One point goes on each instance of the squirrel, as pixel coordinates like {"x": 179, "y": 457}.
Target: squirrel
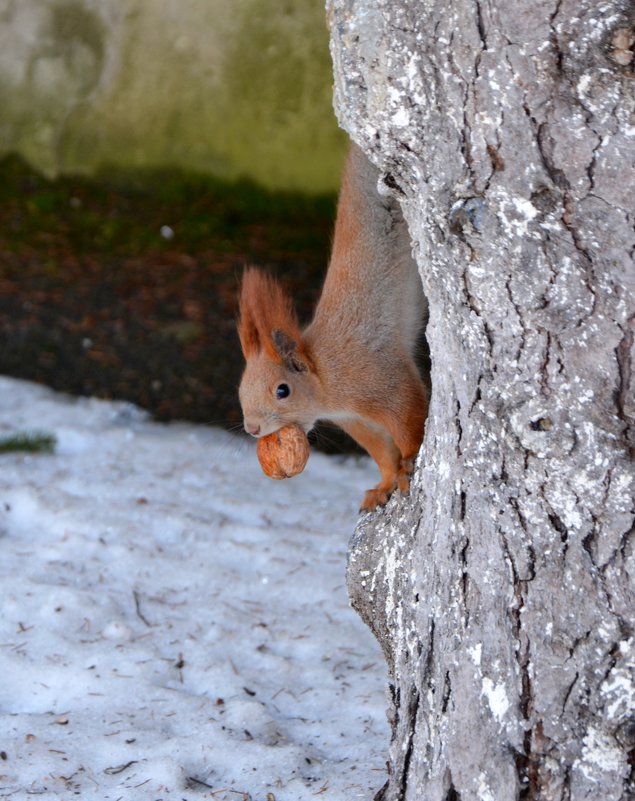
{"x": 354, "y": 365}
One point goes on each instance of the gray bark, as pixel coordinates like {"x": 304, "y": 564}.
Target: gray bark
{"x": 501, "y": 589}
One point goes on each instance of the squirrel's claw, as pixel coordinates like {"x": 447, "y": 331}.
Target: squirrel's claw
{"x": 379, "y": 495}
{"x": 374, "y": 498}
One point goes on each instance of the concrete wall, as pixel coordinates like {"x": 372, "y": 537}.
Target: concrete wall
{"x": 229, "y": 87}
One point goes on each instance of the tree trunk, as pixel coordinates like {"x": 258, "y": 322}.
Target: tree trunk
{"x": 501, "y": 589}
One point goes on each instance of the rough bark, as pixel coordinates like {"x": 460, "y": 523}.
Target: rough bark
{"x": 501, "y": 589}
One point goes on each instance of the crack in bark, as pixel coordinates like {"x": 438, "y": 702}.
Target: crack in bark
{"x": 488, "y": 336}
{"x": 556, "y": 522}
{"x": 577, "y": 642}
{"x": 603, "y": 580}
{"x": 470, "y": 90}
{"x": 620, "y": 551}
{"x": 629, "y": 781}
{"x": 531, "y": 553}
{"x": 625, "y": 626}
{"x": 611, "y": 654}
{"x": 544, "y": 370}
{"x": 589, "y": 542}
{"x": 625, "y": 378}
{"x": 590, "y": 169}
{"x": 518, "y": 317}
{"x": 556, "y": 175}
{"x": 452, "y": 794}
{"x": 569, "y": 691}
{"x": 466, "y": 145}
{"x": 546, "y": 252}
{"x": 526, "y": 763}
{"x": 447, "y": 692}
{"x": 566, "y": 784}
{"x": 465, "y": 583}
{"x": 412, "y": 713}
{"x": 464, "y": 141}
{"x": 429, "y": 665}
{"x": 470, "y": 302}
{"x": 554, "y": 15}
{"x": 587, "y": 259}
{"x": 459, "y": 430}
{"x": 560, "y": 527}
{"x": 559, "y": 179}
{"x": 478, "y": 396}
{"x": 480, "y": 27}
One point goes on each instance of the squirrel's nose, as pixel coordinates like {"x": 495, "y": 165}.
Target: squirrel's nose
{"x": 252, "y": 429}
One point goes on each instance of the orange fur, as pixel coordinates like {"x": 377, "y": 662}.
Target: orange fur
{"x": 354, "y": 365}
{"x": 264, "y": 307}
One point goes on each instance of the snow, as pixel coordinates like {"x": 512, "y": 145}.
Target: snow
{"x": 174, "y": 624}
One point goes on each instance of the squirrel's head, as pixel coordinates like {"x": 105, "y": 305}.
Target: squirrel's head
{"x": 279, "y": 385}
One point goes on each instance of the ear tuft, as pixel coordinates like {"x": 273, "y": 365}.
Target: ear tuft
{"x": 248, "y": 333}
{"x": 265, "y": 309}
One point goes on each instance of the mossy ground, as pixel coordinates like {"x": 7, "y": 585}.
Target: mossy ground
{"x": 124, "y": 286}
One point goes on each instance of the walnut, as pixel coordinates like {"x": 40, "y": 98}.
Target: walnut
{"x": 284, "y": 453}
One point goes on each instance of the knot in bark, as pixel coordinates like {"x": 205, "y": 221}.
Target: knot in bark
{"x": 546, "y": 432}
{"x": 466, "y": 217}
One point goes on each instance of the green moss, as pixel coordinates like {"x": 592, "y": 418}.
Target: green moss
{"x": 122, "y": 213}
{"x": 28, "y": 442}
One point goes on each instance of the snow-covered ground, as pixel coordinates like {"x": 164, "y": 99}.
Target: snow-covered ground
{"x": 174, "y": 624}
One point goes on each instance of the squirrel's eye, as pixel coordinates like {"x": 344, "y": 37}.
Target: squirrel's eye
{"x": 282, "y": 391}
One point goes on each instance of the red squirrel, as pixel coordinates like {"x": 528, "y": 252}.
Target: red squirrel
{"x": 354, "y": 365}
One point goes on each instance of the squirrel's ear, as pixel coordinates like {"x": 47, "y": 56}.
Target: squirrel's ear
{"x": 248, "y": 334}
{"x": 250, "y": 313}
{"x": 268, "y": 322}
{"x": 291, "y": 352}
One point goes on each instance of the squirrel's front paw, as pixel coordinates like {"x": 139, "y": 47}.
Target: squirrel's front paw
{"x": 378, "y": 496}
{"x": 373, "y": 498}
